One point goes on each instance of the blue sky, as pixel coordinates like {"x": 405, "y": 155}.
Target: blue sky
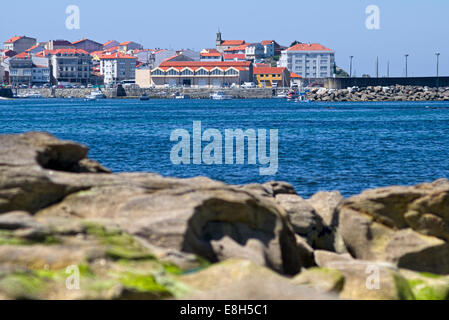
{"x": 419, "y": 28}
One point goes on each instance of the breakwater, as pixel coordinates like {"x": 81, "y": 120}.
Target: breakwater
{"x": 379, "y": 93}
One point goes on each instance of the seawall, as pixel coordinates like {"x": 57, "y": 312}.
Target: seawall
{"x": 237, "y": 93}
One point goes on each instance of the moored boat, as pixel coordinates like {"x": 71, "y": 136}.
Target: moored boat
{"x": 220, "y": 95}
{"x": 144, "y": 97}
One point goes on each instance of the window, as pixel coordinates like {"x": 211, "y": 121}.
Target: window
{"x": 231, "y": 72}
{"x": 202, "y": 72}
{"x": 158, "y": 72}
{"x": 187, "y": 72}
{"x": 173, "y": 72}
{"x": 216, "y": 72}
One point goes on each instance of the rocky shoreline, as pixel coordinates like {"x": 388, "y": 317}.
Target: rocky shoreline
{"x": 144, "y": 236}
{"x": 394, "y": 93}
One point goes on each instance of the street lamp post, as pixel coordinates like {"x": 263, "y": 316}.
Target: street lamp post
{"x": 438, "y": 64}
{"x": 406, "y": 65}
{"x": 350, "y": 66}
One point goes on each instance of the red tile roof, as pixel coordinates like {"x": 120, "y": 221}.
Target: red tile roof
{"x": 109, "y": 42}
{"x": 205, "y": 64}
{"x": 232, "y": 56}
{"x": 125, "y": 43}
{"x": 33, "y": 47}
{"x": 116, "y": 56}
{"x": 23, "y": 55}
{"x": 266, "y": 42}
{"x": 96, "y": 53}
{"x": 211, "y": 50}
{"x": 112, "y": 49}
{"x": 13, "y": 39}
{"x": 308, "y": 47}
{"x": 238, "y": 48}
{"x": 268, "y": 70}
{"x": 211, "y": 54}
{"x": 61, "y": 51}
{"x": 233, "y": 42}
{"x": 295, "y": 75}
{"x": 75, "y": 42}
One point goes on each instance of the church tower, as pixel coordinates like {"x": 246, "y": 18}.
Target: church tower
{"x": 219, "y": 39}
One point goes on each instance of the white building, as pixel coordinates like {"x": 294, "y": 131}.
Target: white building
{"x": 117, "y": 67}
{"x": 254, "y": 51}
{"x": 308, "y": 60}
{"x": 41, "y": 70}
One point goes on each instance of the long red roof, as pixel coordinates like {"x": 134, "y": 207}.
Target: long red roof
{"x": 116, "y": 56}
{"x": 233, "y": 42}
{"x": 13, "y": 39}
{"x": 198, "y": 64}
{"x": 268, "y": 70}
{"x": 308, "y": 47}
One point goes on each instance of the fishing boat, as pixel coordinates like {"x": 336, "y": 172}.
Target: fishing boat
{"x": 220, "y": 95}
{"x": 281, "y": 95}
{"x": 34, "y": 95}
{"x": 94, "y": 95}
{"x": 144, "y": 97}
{"x": 178, "y": 95}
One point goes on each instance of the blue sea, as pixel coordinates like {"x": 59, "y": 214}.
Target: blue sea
{"x": 322, "y": 146}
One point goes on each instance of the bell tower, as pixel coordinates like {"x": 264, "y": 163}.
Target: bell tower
{"x": 219, "y": 39}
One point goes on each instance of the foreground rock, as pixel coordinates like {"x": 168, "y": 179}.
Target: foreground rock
{"x": 244, "y": 280}
{"x": 407, "y": 226}
{"x": 52, "y": 178}
{"x": 143, "y": 236}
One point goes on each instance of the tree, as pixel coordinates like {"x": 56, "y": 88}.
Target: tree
{"x": 295, "y": 43}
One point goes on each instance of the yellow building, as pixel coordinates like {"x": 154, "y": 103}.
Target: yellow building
{"x": 269, "y": 77}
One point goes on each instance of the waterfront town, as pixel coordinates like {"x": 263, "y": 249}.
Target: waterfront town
{"x": 26, "y": 62}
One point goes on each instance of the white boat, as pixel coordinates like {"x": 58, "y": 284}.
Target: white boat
{"x": 281, "y": 95}
{"x": 94, "y": 95}
{"x": 90, "y": 98}
{"x": 220, "y": 95}
{"x": 97, "y": 94}
{"x": 34, "y": 95}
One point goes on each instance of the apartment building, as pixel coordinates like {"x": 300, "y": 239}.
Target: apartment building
{"x": 117, "y": 67}
{"x": 19, "y": 43}
{"x": 69, "y": 65}
{"x": 308, "y": 60}
{"x": 21, "y": 69}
